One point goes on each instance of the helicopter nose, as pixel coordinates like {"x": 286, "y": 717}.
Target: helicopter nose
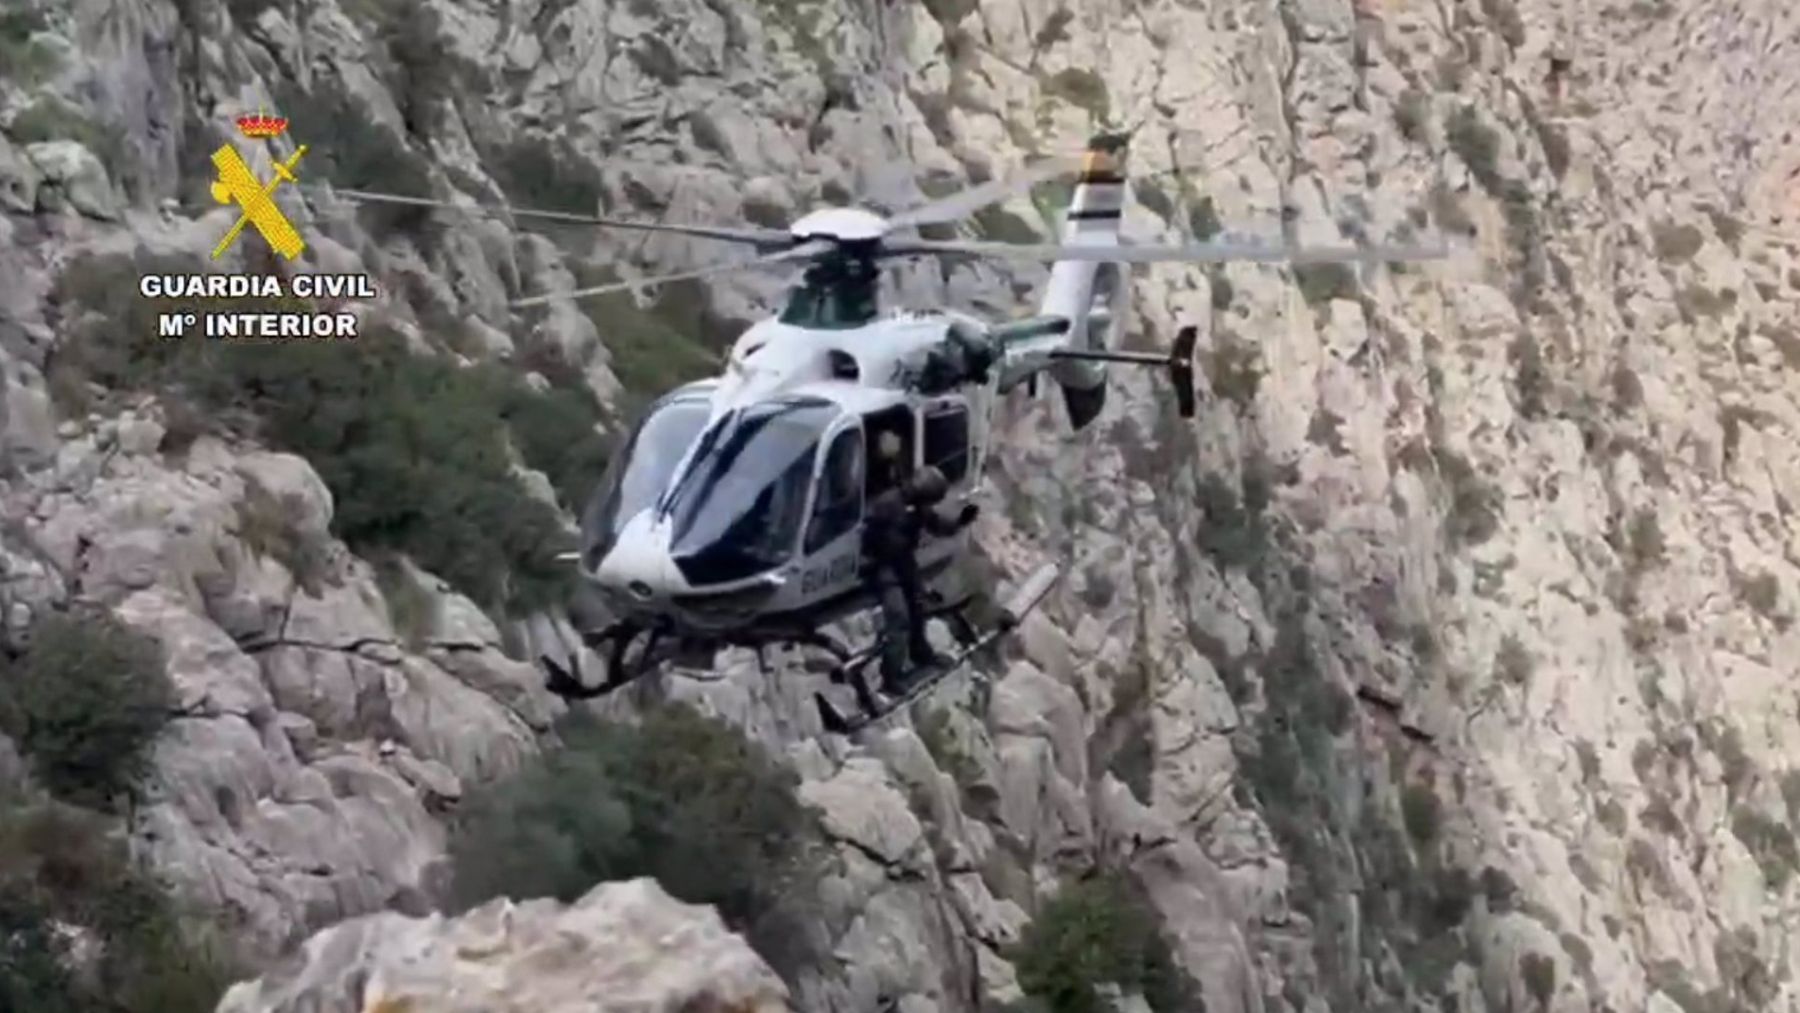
{"x": 637, "y": 564}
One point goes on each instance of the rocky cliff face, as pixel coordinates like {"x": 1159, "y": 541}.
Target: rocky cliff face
{"x": 628, "y": 941}
{"x": 1446, "y": 654}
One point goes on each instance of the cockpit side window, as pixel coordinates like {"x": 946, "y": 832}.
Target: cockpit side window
{"x": 897, "y": 421}
{"x": 947, "y": 440}
{"x": 838, "y": 506}
{"x": 643, "y": 467}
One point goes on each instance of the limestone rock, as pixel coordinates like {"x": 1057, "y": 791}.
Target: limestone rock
{"x": 627, "y": 945}
{"x": 18, "y": 179}
{"x": 77, "y": 175}
{"x": 1507, "y": 540}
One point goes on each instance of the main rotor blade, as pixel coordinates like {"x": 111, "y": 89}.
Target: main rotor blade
{"x": 1151, "y": 253}
{"x": 801, "y": 252}
{"x": 964, "y": 203}
{"x": 753, "y": 236}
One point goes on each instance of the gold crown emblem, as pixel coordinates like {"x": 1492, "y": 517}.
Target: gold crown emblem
{"x": 262, "y": 126}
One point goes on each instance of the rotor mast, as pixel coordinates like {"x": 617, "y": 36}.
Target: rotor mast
{"x": 840, "y": 290}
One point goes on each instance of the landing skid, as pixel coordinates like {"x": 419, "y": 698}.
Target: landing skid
{"x": 614, "y": 643}
{"x": 632, "y": 651}
{"x": 1029, "y": 596}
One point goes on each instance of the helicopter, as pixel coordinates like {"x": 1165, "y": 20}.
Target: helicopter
{"x": 732, "y": 513}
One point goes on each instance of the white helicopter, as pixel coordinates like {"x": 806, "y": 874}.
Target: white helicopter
{"x": 732, "y": 514}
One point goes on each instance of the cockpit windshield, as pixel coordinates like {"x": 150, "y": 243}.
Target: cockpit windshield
{"x": 642, "y": 468}
{"x": 739, "y": 507}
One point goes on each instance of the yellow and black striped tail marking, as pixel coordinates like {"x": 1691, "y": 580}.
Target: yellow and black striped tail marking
{"x": 1099, "y": 190}
{"x": 1100, "y": 167}
{"x": 1104, "y": 161}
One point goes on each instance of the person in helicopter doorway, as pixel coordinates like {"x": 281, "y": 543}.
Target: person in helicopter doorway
{"x": 897, "y": 521}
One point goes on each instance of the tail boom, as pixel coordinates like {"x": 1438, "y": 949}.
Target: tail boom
{"x": 1082, "y": 292}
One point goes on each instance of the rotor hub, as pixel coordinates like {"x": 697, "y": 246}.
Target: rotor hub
{"x": 846, "y": 225}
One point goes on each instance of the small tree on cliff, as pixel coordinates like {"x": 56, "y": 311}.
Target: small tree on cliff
{"x": 84, "y": 702}
{"x": 677, "y": 796}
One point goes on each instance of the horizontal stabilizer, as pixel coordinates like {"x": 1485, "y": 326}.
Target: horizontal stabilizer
{"x": 1179, "y": 362}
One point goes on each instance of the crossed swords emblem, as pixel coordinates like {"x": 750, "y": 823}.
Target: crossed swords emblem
{"x": 237, "y": 184}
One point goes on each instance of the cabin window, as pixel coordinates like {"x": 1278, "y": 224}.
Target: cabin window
{"x": 843, "y": 365}
{"x": 837, "y": 509}
{"x": 899, "y": 421}
{"x": 947, "y": 441}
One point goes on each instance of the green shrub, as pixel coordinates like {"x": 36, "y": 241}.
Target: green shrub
{"x": 245, "y": 12}
{"x": 1504, "y": 16}
{"x": 1055, "y": 28}
{"x": 1501, "y": 892}
{"x": 1001, "y": 225}
{"x": 1326, "y": 430}
{"x": 1769, "y": 841}
{"x": 408, "y": 445}
{"x": 410, "y": 450}
{"x": 1525, "y": 232}
{"x": 421, "y": 69}
{"x": 1222, "y": 291}
{"x": 1733, "y": 418}
{"x": 679, "y": 796}
{"x": 1675, "y": 242}
{"x": 1475, "y": 503}
{"x": 1729, "y": 228}
{"x": 1539, "y": 974}
{"x": 61, "y": 864}
{"x": 1233, "y": 531}
{"x": 1153, "y": 199}
{"x": 1233, "y": 367}
{"x": 1555, "y": 141}
{"x": 1644, "y": 546}
{"x": 1447, "y": 210}
{"x": 353, "y": 151}
{"x": 1529, "y": 375}
{"x": 1476, "y": 144}
{"x": 1514, "y": 665}
{"x": 1081, "y": 88}
{"x": 84, "y": 702}
{"x": 51, "y": 119}
{"x": 656, "y": 347}
{"x": 1452, "y": 894}
{"x": 1412, "y": 112}
{"x": 938, "y": 735}
{"x": 1051, "y": 198}
{"x": 1761, "y": 592}
{"x": 412, "y": 608}
{"x": 1419, "y": 808}
{"x": 1098, "y": 931}
{"x": 1742, "y": 969}
{"x": 34, "y": 973}
{"x": 555, "y": 432}
{"x": 264, "y": 527}
{"x": 21, "y": 57}
{"x": 1321, "y": 283}
{"x": 1203, "y": 218}
{"x": 20, "y": 24}
{"x": 545, "y": 175}
{"x": 1627, "y": 388}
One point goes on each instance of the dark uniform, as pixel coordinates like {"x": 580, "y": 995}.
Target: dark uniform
{"x": 894, "y": 526}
